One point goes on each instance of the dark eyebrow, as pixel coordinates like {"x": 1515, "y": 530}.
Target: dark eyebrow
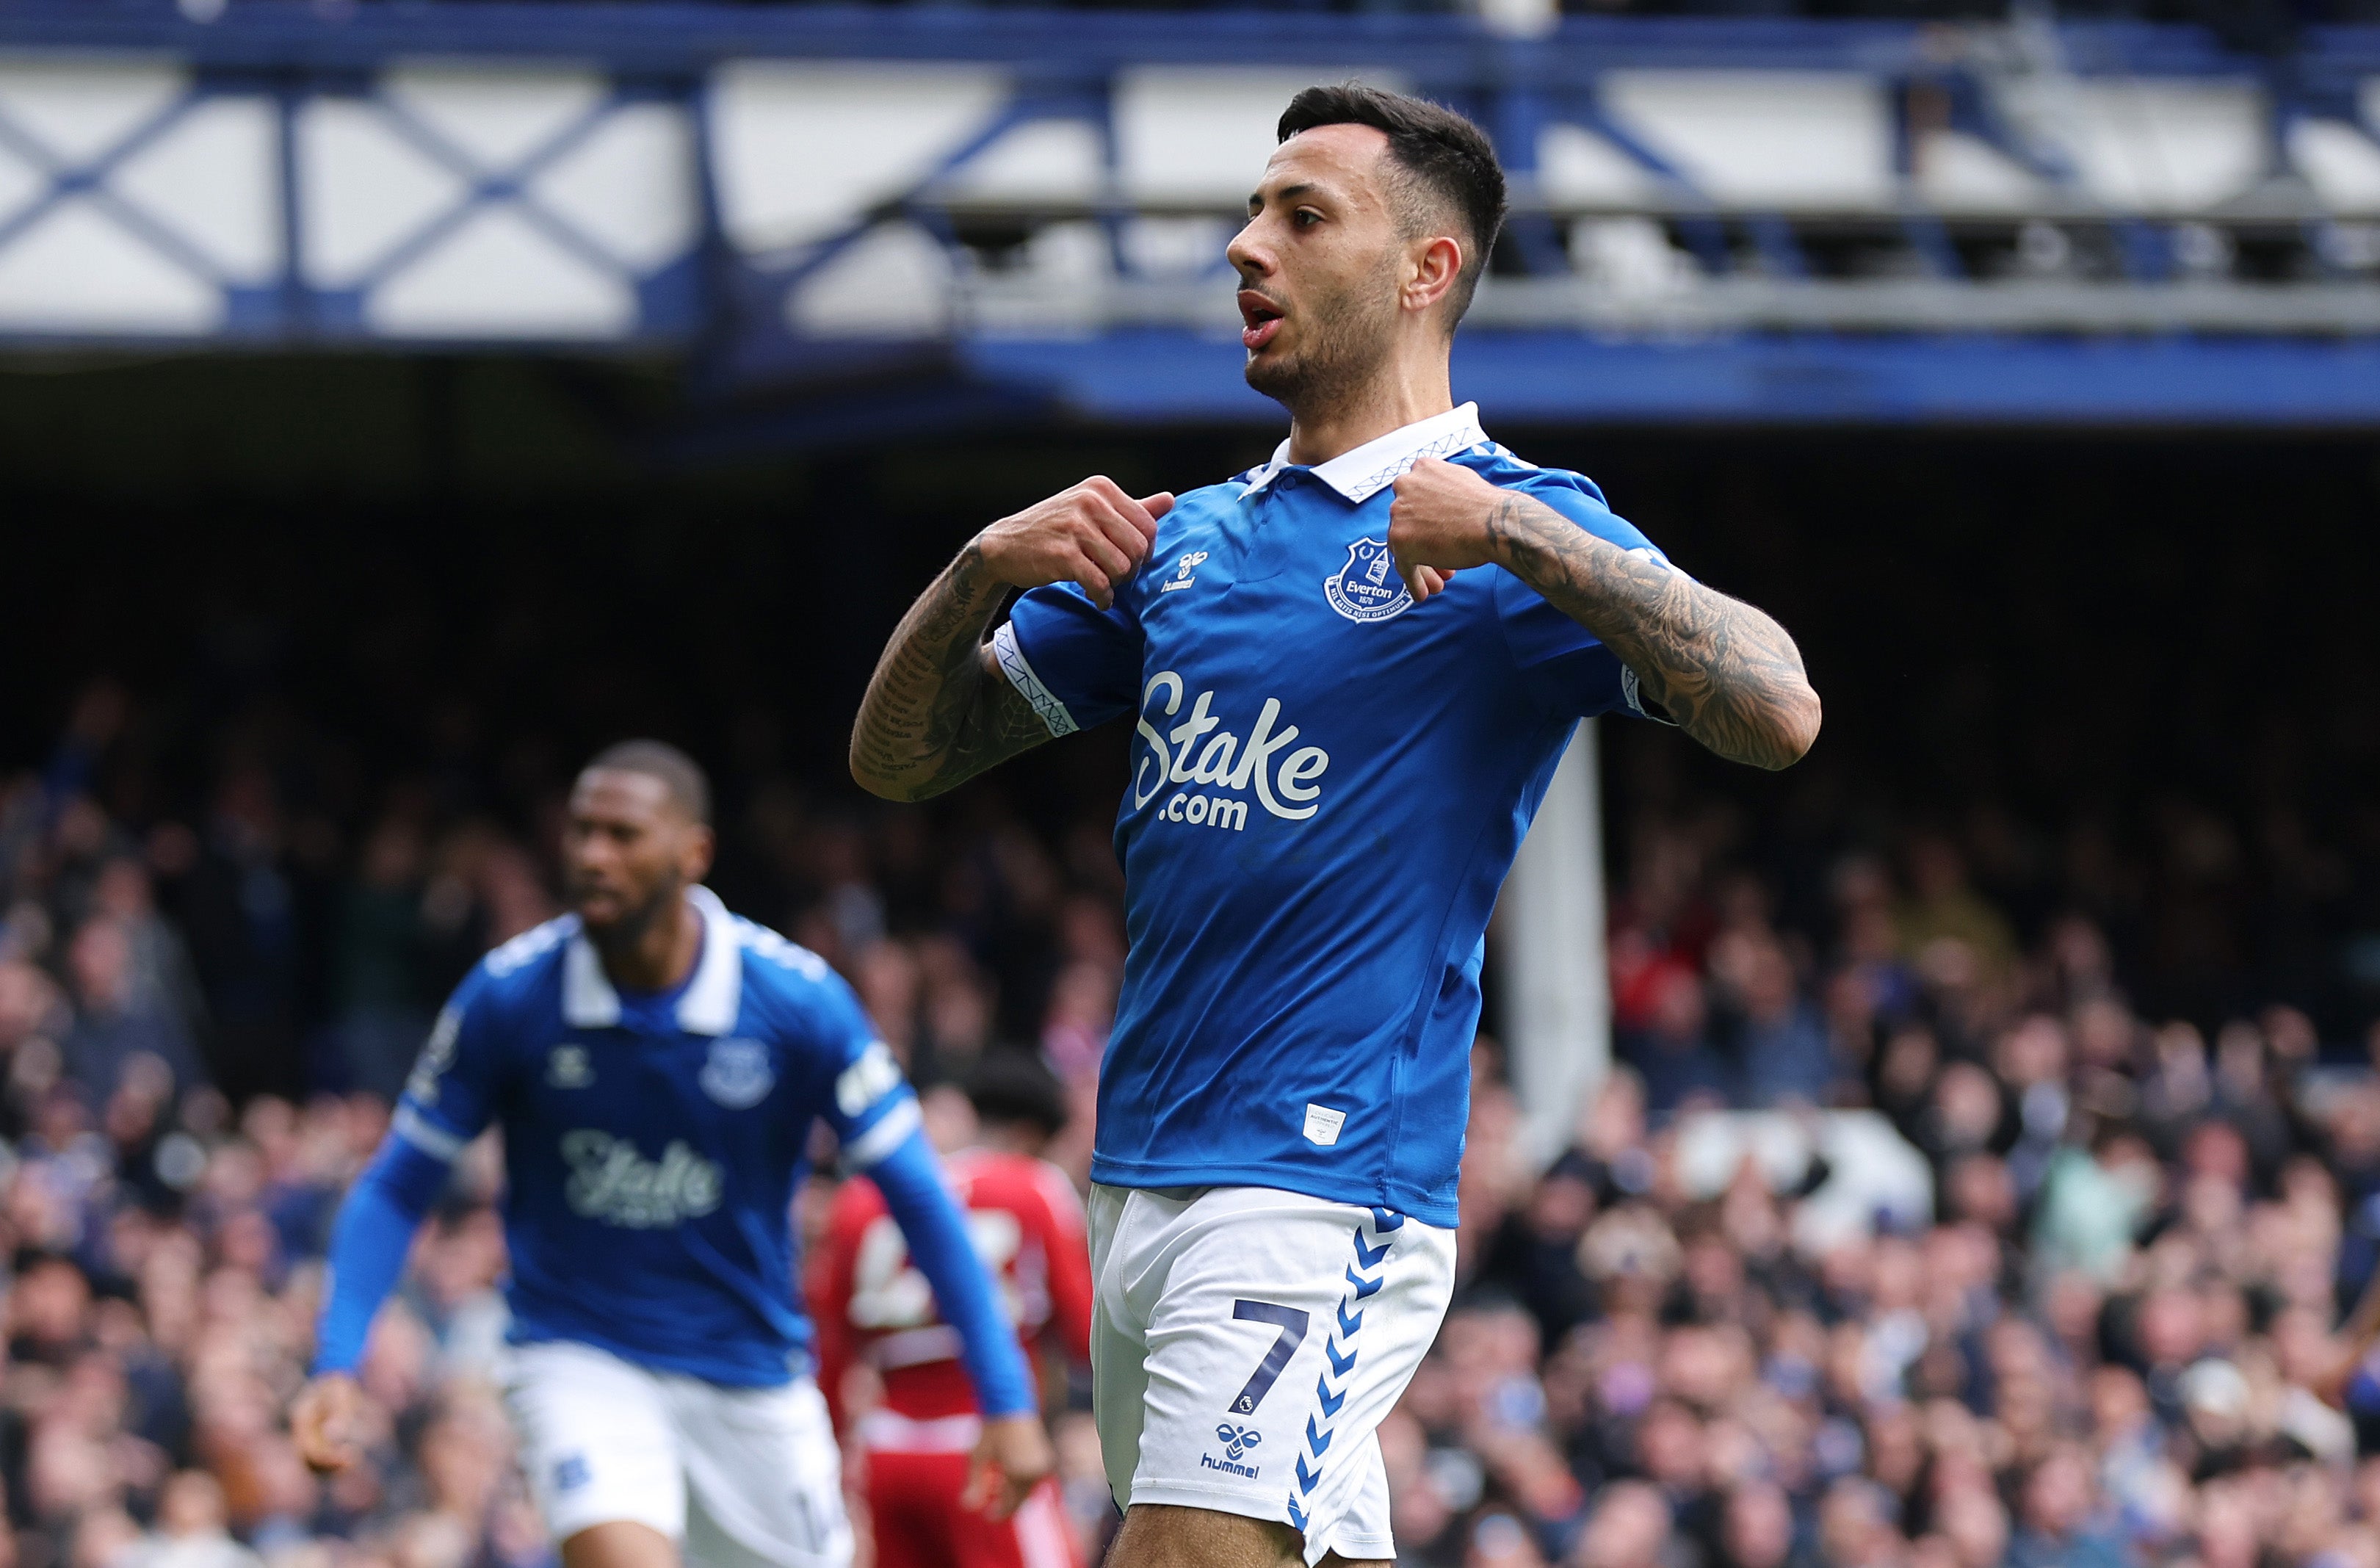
{"x": 1287, "y": 192}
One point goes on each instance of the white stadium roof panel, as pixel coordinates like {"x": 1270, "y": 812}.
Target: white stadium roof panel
{"x": 1183, "y": 247}
{"x": 2341, "y": 163}
{"x": 629, "y": 186}
{"x": 1578, "y": 168}
{"x": 77, "y": 269}
{"x": 211, "y": 180}
{"x": 77, "y": 110}
{"x": 803, "y": 151}
{"x": 20, "y": 183}
{"x": 497, "y": 116}
{"x": 1783, "y": 141}
{"x": 363, "y": 188}
{"x": 2151, "y": 146}
{"x": 1959, "y": 173}
{"x": 894, "y": 281}
{"x": 498, "y": 277}
{"x": 1054, "y": 160}
{"x": 1202, "y": 134}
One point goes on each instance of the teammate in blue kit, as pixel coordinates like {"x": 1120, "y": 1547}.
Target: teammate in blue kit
{"x": 1351, "y": 673}
{"x": 657, "y": 1065}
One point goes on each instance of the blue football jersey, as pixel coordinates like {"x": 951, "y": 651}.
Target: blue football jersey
{"x": 1329, "y": 783}
{"x": 653, "y": 1146}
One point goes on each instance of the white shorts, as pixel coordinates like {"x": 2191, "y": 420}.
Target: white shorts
{"x": 1247, "y": 1343}
{"x": 743, "y": 1477}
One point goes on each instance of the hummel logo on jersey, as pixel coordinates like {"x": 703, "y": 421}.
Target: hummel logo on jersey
{"x": 1236, "y": 1441}
{"x": 1181, "y": 577}
{"x": 1199, "y": 750}
{"x": 1362, "y": 589}
{"x": 612, "y": 1183}
{"x": 566, "y": 1067}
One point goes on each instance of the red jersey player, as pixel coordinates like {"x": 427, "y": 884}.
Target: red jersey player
{"x": 871, "y": 1303}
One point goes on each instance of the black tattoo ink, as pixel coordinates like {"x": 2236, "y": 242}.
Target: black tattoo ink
{"x": 1728, "y": 673}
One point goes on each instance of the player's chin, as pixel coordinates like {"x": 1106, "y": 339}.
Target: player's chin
{"x": 598, "y": 910}
{"x": 1270, "y": 369}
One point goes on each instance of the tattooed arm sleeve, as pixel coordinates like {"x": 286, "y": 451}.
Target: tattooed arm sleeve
{"x": 1729, "y": 675}
{"x": 938, "y": 712}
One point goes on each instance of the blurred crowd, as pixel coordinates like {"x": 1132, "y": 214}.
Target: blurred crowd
{"x": 2103, "y": 1339}
{"x": 2095, "y": 1339}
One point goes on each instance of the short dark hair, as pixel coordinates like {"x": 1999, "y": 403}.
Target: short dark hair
{"x": 681, "y": 775}
{"x": 1009, "y": 1084}
{"x": 1441, "y": 153}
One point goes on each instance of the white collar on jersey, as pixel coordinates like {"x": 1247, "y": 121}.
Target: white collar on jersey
{"x": 1373, "y": 466}
{"x": 710, "y": 1004}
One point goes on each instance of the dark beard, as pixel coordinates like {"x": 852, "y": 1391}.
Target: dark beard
{"x": 1347, "y": 337}
{"x": 623, "y": 934}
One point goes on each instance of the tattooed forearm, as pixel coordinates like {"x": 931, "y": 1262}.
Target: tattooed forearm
{"x": 1725, "y": 672}
{"x": 935, "y": 715}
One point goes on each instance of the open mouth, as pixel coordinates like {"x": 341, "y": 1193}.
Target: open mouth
{"x": 1260, "y": 318}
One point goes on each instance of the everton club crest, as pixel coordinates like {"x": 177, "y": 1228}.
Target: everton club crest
{"x": 737, "y": 1075}
{"x": 1367, "y": 587}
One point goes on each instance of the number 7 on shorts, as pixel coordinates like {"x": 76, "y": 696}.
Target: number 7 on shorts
{"x": 1292, "y": 1323}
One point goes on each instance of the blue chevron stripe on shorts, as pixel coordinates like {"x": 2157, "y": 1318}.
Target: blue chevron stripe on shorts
{"x": 1365, "y": 1278}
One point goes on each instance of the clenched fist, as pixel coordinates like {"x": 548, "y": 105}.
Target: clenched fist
{"x": 325, "y": 1422}
{"x": 1010, "y": 1460}
{"x": 1437, "y": 525}
{"x": 1093, "y": 534}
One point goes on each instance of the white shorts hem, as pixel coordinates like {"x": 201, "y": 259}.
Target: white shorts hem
{"x": 1356, "y": 1546}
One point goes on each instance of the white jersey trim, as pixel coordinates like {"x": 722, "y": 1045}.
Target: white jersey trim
{"x": 917, "y": 1347}
{"x": 889, "y": 1431}
{"x": 711, "y": 1003}
{"x": 1378, "y": 464}
{"x": 425, "y": 1134}
{"x": 1014, "y": 664}
{"x": 871, "y": 1146}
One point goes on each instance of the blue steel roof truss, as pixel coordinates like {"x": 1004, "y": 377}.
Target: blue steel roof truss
{"x": 65, "y": 179}
{"x": 729, "y": 311}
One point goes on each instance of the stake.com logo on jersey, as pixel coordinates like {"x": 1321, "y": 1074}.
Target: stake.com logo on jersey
{"x": 1199, "y": 750}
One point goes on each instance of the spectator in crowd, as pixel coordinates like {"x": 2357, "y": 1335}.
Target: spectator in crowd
{"x": 379, "y": 963}
{"x": 118, "y": 1016}
{"x": 192, "y": 1529}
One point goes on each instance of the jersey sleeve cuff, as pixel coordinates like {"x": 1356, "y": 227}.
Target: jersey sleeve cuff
{"x": 1019, "y": 671}
{"x": 1632, "y": 693}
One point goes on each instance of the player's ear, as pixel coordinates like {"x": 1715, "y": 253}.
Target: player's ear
{"x": 694, "y": 859}
{"x": 1437, "y": 263}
